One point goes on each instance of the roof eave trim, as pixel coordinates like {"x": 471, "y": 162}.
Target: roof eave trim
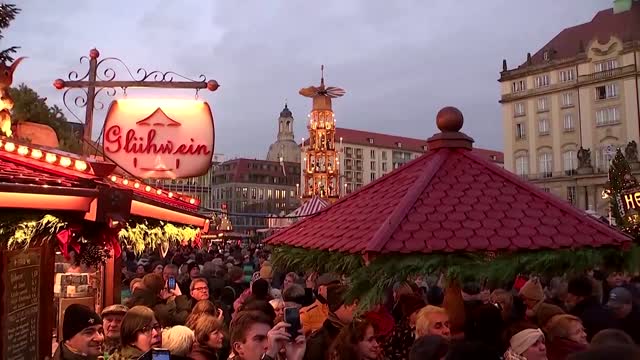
{"x": 384, "y": 232}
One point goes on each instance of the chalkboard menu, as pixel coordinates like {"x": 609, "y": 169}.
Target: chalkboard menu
{"x": 21, "y": 303}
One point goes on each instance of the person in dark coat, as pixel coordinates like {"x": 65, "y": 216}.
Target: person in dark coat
{"x": 626, "y": 313}
{"x": 582, "y": 303}
{"x": 340, "y": 315}
{"x": 170, "y": 307}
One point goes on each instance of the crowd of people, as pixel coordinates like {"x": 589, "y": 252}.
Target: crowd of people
{"x": 231, "y": 304}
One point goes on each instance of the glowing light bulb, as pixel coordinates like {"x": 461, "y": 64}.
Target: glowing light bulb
{"x": 125, "y": 182}
{"x": 170, "y": 194}
{"x": 81, "y": 165}
{"x": 36, "y": 154}
{"x": 147, "y": 188}
{"x": 136, "y": 185}
{"x": 51, "y": 158}
{"x": 192, "y": 201}
{"x": 9, "y": 146}
{"x": 65, "y": 161}
{"x": 158, "y": 191}
{"x": 23, "y": 150}
{"x": 114, "y": 178}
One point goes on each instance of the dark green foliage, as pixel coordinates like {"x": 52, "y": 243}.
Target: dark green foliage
{"x": 29, "y": 106}
{"x": 369, "y": 283}
{"x": 8, "y": 13}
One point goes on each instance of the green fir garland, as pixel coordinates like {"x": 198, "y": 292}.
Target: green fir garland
{"x": 369, "y": 283}
{"x": 145, "y": 234}
{"x": 22, "y": 231}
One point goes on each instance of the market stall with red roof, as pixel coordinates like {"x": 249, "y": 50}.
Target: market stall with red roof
{"x": 55, "y": 204}
{"x": 449, "y": 210}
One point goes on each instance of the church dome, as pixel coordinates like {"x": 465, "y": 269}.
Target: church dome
{"x": 286, "y": 113}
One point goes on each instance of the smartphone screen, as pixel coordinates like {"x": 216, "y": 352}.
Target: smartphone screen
{"x": 160, "y": 354}
{"x": 172, "y": 283}
{"x": 292, "y": 317}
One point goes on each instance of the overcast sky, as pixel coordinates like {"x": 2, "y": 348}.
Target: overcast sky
{"x": 399, "y": 61}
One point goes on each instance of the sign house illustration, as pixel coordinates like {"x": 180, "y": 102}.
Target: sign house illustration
{"x": 160, "y": 139}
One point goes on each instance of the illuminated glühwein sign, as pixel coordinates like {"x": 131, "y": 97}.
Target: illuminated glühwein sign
{"x": 160, "y": 139}
{"x": 630, "y": 200}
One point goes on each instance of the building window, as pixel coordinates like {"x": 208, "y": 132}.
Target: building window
{"x": 567, "y": 99}
{"x": 348, "y": 151}
{"x": 520, "y": 132}
{"x": 384, "y": 167}
{"x": 541, "y": 81}
{"x": 566, "y": 75}
{"x": 520, "y": 85}
{"x": 572, "y": 195}
{"x": 543, "y": 126}
{"x": 522, "y": 165}
{"x": 384, "y": 155}
{"x": 370, "y": 140}
{"x": 568, "y": 122}
{"x": 607, "y": 116}
{"x": 546, "y": 189}
{"x": 606, "y": 91}
{"x": 373, "y": 165}
{"x": 545, "y": 162}
{"x": 543, "y": 104}
{"x": 399, "y": 145}
{"x": 269, "y": 194}
{"x": 373, "y": 154}
{"x": 606, "y": 65}
{"x": 373, "y": 176}
{"x": 604, "y": 154}
{"x": 518, "y": 109}
{"x": 569, "y": 159}
{"x": 545, "y": 55}
{"x": 260, "y": 194}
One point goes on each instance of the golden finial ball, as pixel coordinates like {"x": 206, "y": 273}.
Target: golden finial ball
{"x": 212, "y": 85}
{"x": 58, "y": 84}
{"x": 94, "y": 53}
{"x": 449, "y": 119}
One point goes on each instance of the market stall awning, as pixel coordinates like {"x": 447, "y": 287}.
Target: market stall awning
{"x": 448, "y": 200}
{"x": 161, "y": 204}
{"x": 35, "y": 177}
{"x": 46, "y": 179}
{"x": 310, "y": 207}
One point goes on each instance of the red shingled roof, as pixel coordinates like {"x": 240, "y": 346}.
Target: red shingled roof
{"x": 359, "y": 137}
{"x": 624, "y": 25}
{"x": 448, "y": 200}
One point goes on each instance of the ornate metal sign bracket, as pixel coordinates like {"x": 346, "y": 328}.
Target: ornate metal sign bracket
{"x": 101, "y": 76}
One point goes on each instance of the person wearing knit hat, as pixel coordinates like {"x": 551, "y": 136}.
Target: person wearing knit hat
{"x": 112, "y": 318}
{"x": 82, "y": 334}
{"x": 544, "y": 313}
{"x": 528, "y": 344}
{"x": 532, "y": 295}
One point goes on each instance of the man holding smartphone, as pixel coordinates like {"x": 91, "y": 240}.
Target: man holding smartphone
{"x": 253, "y": 338}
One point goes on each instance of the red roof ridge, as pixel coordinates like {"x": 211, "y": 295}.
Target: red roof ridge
{"x": 383, "y": 234}
{"x": 515, "y": 180}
